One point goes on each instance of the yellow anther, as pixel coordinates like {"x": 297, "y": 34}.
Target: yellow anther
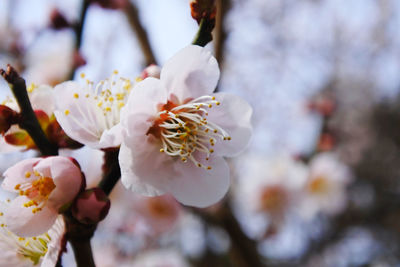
{"x": 229, "y": 138}
{"x": 36, "y": 173}
{"x": 121, "y": 104}
{"x": 218, "y": 103}
{"x": 82, "y": 75}
{"x": 211, "y": 150}
{"x": 115, "y": 72}
{"x": 213, "y": 98}
{"x": 1, "y": 213}
{"x": 21, "y": 238}
{"x": 17, "y": 186}
{"x": 162, "y": 150}
{"x": 108, "y": 109}
{"x": 66, "y": 112}
{"x": 209, "y": 105}
{"x": 215, "y": 131}
{"x": 207, "y": 158}
{"x": 183, "y": 159}
{"x": 27, "y": 174}
{"x": 76, "y": 95}
{"x": 100, "y": 104}
{"x": 206, "y": 130}
{"x": 199, "y": 165}
{"x": 138, "y": 79}
{"x": 209, "y": 168}
{"x": 87, "y": 95}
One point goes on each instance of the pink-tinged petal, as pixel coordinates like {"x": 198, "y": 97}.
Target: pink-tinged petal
{"x": 198, "y": 187}
{"x": 77, "y": 115}
{"x": 20, "y": 173}
{"x": 130, "y": 179}
{"x": 111, "y": 137}
{"x": 55, "y": 247}
{"x": 67, "y": 178}
{"x": 234, "y": 116}
{"x": 24, "y": 223}
{"x": 42, "y": 99}
{"x": 144, "y": 98}
{"x": 191, "y": 73}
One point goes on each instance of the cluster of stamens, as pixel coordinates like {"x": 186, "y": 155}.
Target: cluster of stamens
{"x": 32, "y": 248}
{"x": 38, "y": 191}
{"x": 108, "y": 97}
{"x": 184, "y": 129}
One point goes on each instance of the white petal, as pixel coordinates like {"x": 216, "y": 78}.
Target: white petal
{"x": 234, "y": 116}
{"x": 129, "y": 178}
{"x": 144, "y": 98}
{"x": 56, "y": 234}
{"x": 42, "y": 99}
{"x": 16, "y": 174}
{"x": 111, "y": 137}
{"x": 198, "y": 187}
{"x": 24, "y": 223}
{"x": 85, "y": 121}
{"x": 191, "y": 73}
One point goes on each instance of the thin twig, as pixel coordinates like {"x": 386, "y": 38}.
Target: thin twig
{"x": 132, "y": 14}
{"x": 78, "y": 28}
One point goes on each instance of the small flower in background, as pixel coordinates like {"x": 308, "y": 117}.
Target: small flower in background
{"x": 157, "y": 214}
{"x": 44, "y": 185}
{"x": 90, "y": 113}
{"x": 269, "y": 188}
{"x": 42, "y": 250}
{"x": 176, "y": 131}
{"x": 325, "y": 188}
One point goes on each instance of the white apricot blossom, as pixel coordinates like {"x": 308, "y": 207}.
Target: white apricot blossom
{"x": 267, "y": 191}
{"x": 44, "y": 186}
{"x": 42, "y": 250}
{"x": 176, "y": 131}
{"x": 325, "y": 188}
{"x": 90, "y": 114}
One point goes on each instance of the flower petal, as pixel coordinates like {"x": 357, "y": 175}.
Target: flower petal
{"x": 42, "y": 99}
{"x": 234, "y": 116}
{"x": 24, "y": 223}
{"x": 78, "y": 116}
{"x": 191, "y": 73}
{"x": 55, "y": 247}
{"x": 111, "y": 137}
{"x": 144, "y": 98}
{"x": 16, "y": 174}
{"x": 128, "y": 177}
{"x": 66, "y": 176}
{"x": 198, "y": 187}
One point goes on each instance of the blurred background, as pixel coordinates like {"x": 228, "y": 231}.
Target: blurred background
{"x": 319, "y": 183}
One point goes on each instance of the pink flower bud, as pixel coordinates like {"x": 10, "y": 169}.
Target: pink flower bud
{"x": 151, "y": 71}
{"x": 91, "y": 206}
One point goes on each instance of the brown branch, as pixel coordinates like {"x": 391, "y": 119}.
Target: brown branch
{"x": 243, "y": 251}
{"x": 219, "y": 32}
{"x": 132, "y": 14}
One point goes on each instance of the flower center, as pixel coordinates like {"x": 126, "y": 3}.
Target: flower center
{"x": 318, "y": 185}
{"x": 273, "y": 199}
{"x": 32, "y": 248}
{"x": 38, "y": 191}
{"x": 184, "y": 130}
{"x": 107, "y": 99}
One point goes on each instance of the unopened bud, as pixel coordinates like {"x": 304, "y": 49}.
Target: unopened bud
{"x": 151, "y": 71}
{"x": 203, "y": 9}
{"x": 91, "y": 206}
{"x": 8, "y": 117}
{"x": 58, "y": 21}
